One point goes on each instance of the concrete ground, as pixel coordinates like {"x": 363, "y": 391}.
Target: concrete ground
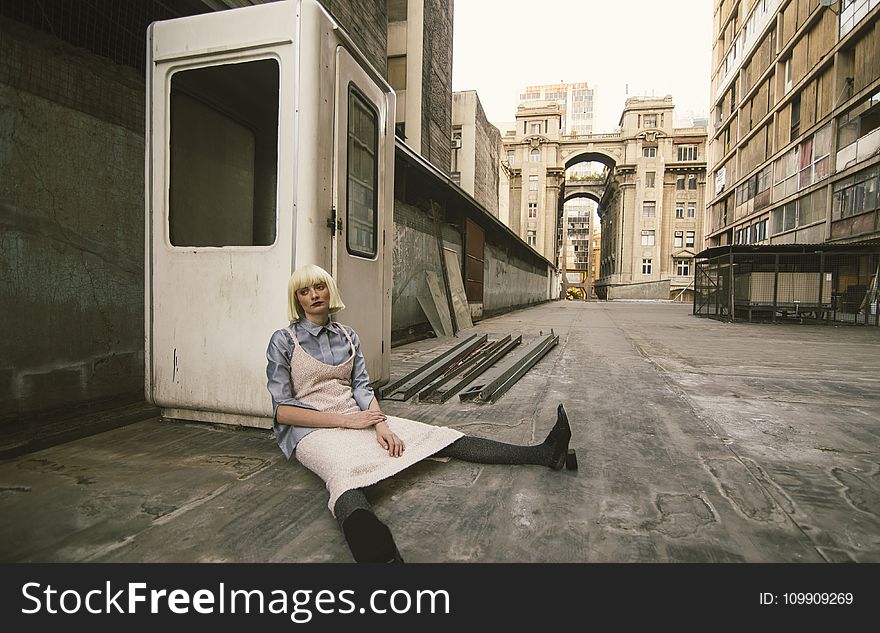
{"x": 698, "y": 441}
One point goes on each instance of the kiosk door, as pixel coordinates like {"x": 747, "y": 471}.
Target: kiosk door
{"x": 362, "y": 188}
{"x": 219, "y": 219}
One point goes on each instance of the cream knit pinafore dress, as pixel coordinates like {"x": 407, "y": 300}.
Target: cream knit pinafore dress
{"x": 352, "y": 458}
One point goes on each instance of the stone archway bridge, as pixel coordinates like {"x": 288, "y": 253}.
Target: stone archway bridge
{"x": 574, "y": 149}
{"x": 558, "y": 152}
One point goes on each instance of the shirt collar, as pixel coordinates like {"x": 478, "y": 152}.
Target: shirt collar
{"x": 313, "y": 328}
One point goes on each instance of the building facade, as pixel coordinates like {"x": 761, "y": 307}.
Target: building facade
{"x": 578, "y": 214}
{"x": 652, "y": 207}
{"x": 532, "y": 153}
{"x": 476, "y": 150}
{"x": 576, "y": 103}
{"x": 793, "y": 154}
{"x": 420, "y": 71}
{"x": 650, "y": 195}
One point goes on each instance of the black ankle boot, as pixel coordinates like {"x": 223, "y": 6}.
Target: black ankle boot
{"x": 559, "y": 438}
{"x": 369, "y": 539}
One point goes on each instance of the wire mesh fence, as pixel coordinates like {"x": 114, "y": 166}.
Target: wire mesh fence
{"x": 45, "y": 46}
{"x": 823, "y": 283}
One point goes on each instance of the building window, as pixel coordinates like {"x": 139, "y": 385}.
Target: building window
{"x": 692, "y": 210}
{"x": 649, "y": 152}
{"x": 683, "y": 267}
{"x": 679, "y": 183}
{"x": 647, "y": 238}
{"x": 533, "y": 209}
{"x": 535, "y": 156}
{"x": 760, "y": 231}
{"x": 804, "y": 164}
{"x": 221, "y": 190}
{"x": 786, "y": 70}
{"x": 650, "y": 120}
{"x": 532, "y": 238}
{"x": 533, "y": 182}
{"x": 852, "y": 12}
{"x": 649, "y": 179}
{"x": 511, "y": 155}
{"x": 536, "y": 128}
{"x": 692, "y": 182}
{"x": 858, "y": 122}
{"x": 646, "y": 266}
{"x": 756, "y": 187}
{"x": 649, "y": 209}
{"x": 795, "y": 118}
{"x": 856, "y": 194}
{"x": 397, "y": 72}
{"x": 687, "y": 152}
{"x": 397, "y": 10}
{"x": 689, "y": 239}
{"x": 362, "y": 193}
{"x": 785, "y": 218}
{"x": 679, "y": 238}
{"x": 679, "y": 212}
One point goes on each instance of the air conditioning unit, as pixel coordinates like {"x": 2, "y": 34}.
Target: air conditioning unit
{"x": 456, "y": 143}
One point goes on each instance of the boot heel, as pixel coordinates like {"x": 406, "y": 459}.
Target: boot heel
{"x": 571, "y": 460}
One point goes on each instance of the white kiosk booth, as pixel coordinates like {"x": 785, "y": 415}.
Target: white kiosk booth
{"x": 270, "y": 144}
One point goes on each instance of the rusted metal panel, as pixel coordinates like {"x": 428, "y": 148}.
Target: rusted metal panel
{"x": 475, "y": 242}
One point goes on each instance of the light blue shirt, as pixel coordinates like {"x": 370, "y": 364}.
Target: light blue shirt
{"x": 325, "y": 343}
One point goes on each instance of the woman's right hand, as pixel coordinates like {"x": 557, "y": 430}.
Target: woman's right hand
{"x": 362, "y": 419}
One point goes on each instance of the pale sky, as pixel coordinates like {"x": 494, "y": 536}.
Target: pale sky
{"x": 643, "y": 46}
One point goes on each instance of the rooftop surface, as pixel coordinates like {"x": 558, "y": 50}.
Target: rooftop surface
{"x": 698, "y": 441}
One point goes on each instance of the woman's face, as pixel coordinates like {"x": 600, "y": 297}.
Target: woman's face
{"x": 315, "y": 302}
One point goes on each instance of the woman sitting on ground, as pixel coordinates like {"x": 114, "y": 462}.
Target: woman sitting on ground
{"x": 326, "y": 413}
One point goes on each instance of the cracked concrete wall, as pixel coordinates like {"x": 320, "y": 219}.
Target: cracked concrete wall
{"x": 509, "y": 281}
{"x": 415, "y": 252}
{"x": 510, "y": 278}
{"x": 71, "y": 225}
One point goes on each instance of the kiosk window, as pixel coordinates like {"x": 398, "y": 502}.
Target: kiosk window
{"x": 362, "y": 193}
{"x": 224, "y": 155}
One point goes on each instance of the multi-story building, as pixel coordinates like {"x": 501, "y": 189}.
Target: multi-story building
{"x": 595, "y": 258}
{"x": 476, "y": 150}
{"x": 650, "y": 203}
{"x": 578, "y": 213}
{"x": 576, "y": 102}
{"x": 651, "y": 209}
{"x": 793, "y": 153}
{"x": 420, "y": 71}
{"x": 533, "y": 155}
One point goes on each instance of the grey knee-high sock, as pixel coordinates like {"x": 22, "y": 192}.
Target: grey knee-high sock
{"x": 483, "y": 451}
{"x": 348, "y": 502}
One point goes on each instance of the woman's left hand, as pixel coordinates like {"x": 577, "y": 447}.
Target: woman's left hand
{"x": 388, "y": 440}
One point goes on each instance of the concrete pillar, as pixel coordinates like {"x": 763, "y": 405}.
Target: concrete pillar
{"x": 555, "y": 178}
{"x": 516, "y": 210}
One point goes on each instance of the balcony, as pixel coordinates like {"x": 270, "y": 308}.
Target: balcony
{"x": 862, "y": 149}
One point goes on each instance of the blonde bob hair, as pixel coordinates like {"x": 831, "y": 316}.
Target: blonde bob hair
{"x": 306, "y": 276}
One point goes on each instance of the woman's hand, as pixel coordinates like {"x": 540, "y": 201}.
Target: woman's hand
{"x": 362, "y": 419}
{"x": 388, "y": 440}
